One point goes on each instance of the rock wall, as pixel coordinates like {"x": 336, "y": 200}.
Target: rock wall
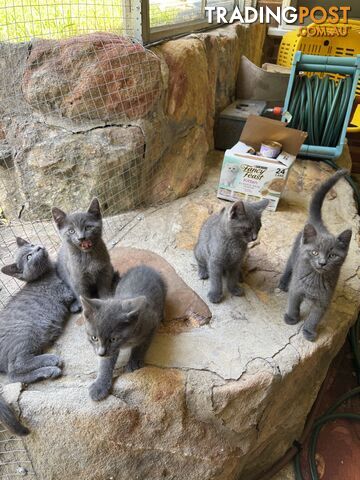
{"x": 99, "y": 115}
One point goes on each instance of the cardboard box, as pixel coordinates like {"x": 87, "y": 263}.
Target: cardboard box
{"x": 252, "y": 177}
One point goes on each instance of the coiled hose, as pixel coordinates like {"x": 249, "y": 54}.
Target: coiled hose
{"x": 319, "y": 106}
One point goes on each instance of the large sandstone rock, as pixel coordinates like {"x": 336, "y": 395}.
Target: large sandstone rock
{"x": 181, "y": 168}
{"x": 202, "y": 72}
{"x": 220, "y": 401}
{"x": 224, "y": 49}
{"x": 99, "y": 114}
{"x": 188, "y": 84}
{"x": 99, "y": 76}
{"x": 53, "y": 167}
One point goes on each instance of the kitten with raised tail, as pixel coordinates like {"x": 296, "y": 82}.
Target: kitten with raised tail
{"x": 222, "y": 245}
{"x": 83, "y": 260}
{"x": 30, "y": 322}
{"x": 314, "y": 265}
{"x": 129, "y": 320}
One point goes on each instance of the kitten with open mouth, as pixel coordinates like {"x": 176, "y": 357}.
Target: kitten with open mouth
{"x": 86, "y": 245}
{"x": 81, "y": 233}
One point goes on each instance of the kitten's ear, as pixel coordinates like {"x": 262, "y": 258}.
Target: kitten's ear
{"x": 94, "y": 208}
{"x": 237, "y": 209}
{"x": 261, "y": 205}
{"x": 58, "y": 216}
{"x": 134, "y": 307}
{"x": 309, "y": 233}
{"x": 12, "y": 270}
{"x": 344, "y": 238}
{"x": 90, "y": 306}
{"x": 21, "y": 242}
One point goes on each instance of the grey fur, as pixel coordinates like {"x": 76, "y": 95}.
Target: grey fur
{"x": 222, "y": 245}
{"x": 87, "y": 271}
{"x": 31, "y": 321}
{"x": 314, "y": 265}
{"x": 130, "y": 319}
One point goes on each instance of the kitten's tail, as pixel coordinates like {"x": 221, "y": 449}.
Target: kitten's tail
{"x": 317, "y": 200}
{"x": 8, "y": 418}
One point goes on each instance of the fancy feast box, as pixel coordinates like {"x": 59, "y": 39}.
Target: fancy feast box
{"x": 258, "y": 165}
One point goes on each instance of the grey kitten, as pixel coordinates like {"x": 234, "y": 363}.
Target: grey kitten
{"x": 83, "y": 259}
{"x": 313, "y": 268}
{"x": 222, "y": 245}
{"x": 31, "y": 321}
{"x": 130, "y": 319}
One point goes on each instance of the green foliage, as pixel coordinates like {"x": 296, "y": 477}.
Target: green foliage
{"x": 162, "y": 17}
{"x": 21, "y": 20}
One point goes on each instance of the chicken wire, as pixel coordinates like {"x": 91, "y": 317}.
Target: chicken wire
{"x": 77, "y": 98}
{"x": 78, "y": 86}
{"x": 21, "y": 20}
{"x": 14, "y": 459}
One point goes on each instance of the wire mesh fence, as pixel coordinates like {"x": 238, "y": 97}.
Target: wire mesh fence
{"x": 14, "y": 460}
{"x": 77, "y": 96}
{"x": 21, "y": 20}
{"x": 74, "y": 112}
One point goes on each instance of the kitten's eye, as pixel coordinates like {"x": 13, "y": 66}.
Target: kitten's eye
{"x": 315, "y": 253}
{"x": 29, "y": 256}
{"x": 332, "y": 255}
{"x": 71, "y": 231}
{"x": 94, "y": 338}
{"x": 113, "y": 340}
{"x": 88, "y": 228}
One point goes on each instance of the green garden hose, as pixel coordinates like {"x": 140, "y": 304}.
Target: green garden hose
{"x": 318, "y": 106}
{"x": 330, "y": 415}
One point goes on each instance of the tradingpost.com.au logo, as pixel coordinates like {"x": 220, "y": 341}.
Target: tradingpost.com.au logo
{"x": 288, "y": 15}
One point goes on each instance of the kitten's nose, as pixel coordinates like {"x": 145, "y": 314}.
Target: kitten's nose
{"x": 81, "y": 239}
{"x": 322, "y": 262}
{"x": 101, "y": 351}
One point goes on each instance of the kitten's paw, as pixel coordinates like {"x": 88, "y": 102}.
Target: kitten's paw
{"x": 54, "y": 360}
{"x": 290, "y": 320}
{"x": 60, "y": 362}
{"x": 284, "y": 286}
{"x": 75, "y": 307}
{"x": 98, "y": 392}
{"x": 203, "y": 274}
{"x": 237, "y": 291}
{"x": 311, "y": 336}
{"x": 215, "y": 297}
{"x": 133, "y": 364}
{"x": 54, "y": 372}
